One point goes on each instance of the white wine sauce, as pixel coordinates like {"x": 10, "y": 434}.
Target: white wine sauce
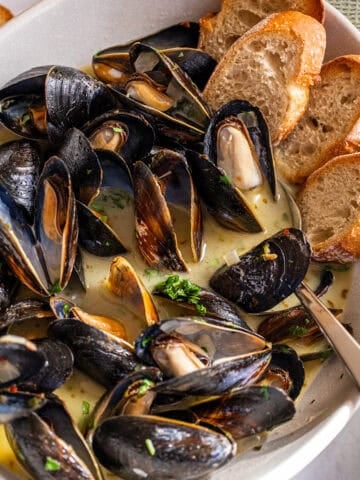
{"x": 218, "y": 242}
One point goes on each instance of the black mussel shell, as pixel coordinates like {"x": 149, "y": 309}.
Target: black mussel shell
{"x": 19, "y": 172}
{"x": 55, "y": 372}
{"x": 107, "y": 406}
{"x": 83, "y": 164}
{"x": 72, "y": 99}
{"x": 197, "y": 64}
{"x": 79, "y": 269}
{"x": 96, "y": 236}
{"x": 216, "y": 306}
{"x": 248, "y": 411}
{"x": 154, "y": 228}
{"x": 221, "y": 377}
{"x": 172, "y": 168}
{"x": 8, "y": 287}
{"x": 59, "y": 420}
{"x": 19, "y": 360}
{"x": 112, "y": 65}
{"x": 56, "y": 223}
{"x": 258, "y": 131}
{"x": 224, "y": 202}
{"x": 266, "y": 274}
{"x": 18, "y": 404}
{"x": 34, "y": 443}
{"x": 218, "y": 340}
{"x": 286, "y": 358}
{"x": 105, "y": 358}
{"x": 25, "y": 310}
{"x": 116, "y": 172}
{"x": 19, "y": 246}
{"x": 25, "y": 115}
{"x": 159, "y": 447}
{"x": 31, "y": 81}
{"x": 144, "y": 341}
{"x": 137, "y": 132}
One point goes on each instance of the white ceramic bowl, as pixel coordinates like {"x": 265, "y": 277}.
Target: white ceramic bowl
{"x": 68, "y": 32}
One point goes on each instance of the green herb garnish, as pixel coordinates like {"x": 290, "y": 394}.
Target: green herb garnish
{"x": 52, "y": 465}
{"x": 151, "y": 272}
{"x": 180, "y": 290}
{"x": 66, "y": 308}
{"x": 117, "y": 129}
{"x": 265, "y": 392}
{"x": 104, "y": 218}
{"x": 56, "y": 288}
{"x": 225, "y": 180}
{"x": 297, "y": 331}
{"x": 144, "y": 387}
{"x": 85, "y": 407}
{"x": 150, "y": 447}
{"x": 25, "y": 119}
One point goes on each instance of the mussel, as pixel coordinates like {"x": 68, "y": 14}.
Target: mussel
{"x": 266, "y": 274}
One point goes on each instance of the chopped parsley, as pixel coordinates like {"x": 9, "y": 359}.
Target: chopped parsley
{"x": 150, "y": 447}
{"x": 144, "y": 387}
{"x": 297, "y": 331}
{"x": 151, "y": 272}
{"x": 25, "y": 119}
{"x": 225, "y": 180}
{"x": 66, "y": 308}
{"x": 85, "y": 407}
{"x": 145, "y": 341}
{"x": 265, "y": 392}
{"x": 180, "y": 290}
{"x": 117, "y": 129}
{"x": 52, "y": 465}
{"x": 56, "y": 288}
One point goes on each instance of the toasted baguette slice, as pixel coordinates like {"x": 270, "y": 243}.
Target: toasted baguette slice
{"x": 5, "y": 15}
{"x": 219, "y": 31}
{"x": 331, "y": 124}
{"x": 272, "y": 66}
{"x": 330, "y": 206}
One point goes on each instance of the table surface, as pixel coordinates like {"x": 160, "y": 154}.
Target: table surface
{"x": 340, "y": 460}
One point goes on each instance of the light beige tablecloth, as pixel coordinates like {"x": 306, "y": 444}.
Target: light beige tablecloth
{"x": 350, "y": 8}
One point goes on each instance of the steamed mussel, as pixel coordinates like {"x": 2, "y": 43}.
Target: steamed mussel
{"x": 179, "y": 392}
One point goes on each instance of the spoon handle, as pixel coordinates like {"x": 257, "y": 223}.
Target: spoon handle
{"x": 339, "y": 338}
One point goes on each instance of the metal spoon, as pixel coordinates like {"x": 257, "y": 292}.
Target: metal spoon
{"x": 339, "y": 338}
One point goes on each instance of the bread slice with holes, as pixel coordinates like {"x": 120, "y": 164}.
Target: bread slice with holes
{"x": 331, "y": 124}
{"x": 272, "y": 66}
{"x": 329, "y": 203}
{"x": 219, "y": 31}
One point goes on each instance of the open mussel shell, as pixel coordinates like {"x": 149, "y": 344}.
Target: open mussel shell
{"x": 294, "y": 323}
{"x": 223, "y": 200}
{"x": 285, "y": 358}
{"x": 247, "y": 411}
{"x": 83, "y": 164}
{"x": 116, "y": 172}
{"x": 180, "y": 194}
{"x": 19, "y": 172}
{"x": 23, "y": 310}
{"x": 58, "y": 367}
{"x": 112, "y": 65}
{"x": 18, "y": 404}
{"x": 104, "y": 357}
{"x": 228, "y": 117}
{"x": 61, "y": 307}
{"x": 220, "y": 377}
{"x": 219, "y": 341}
{"x": 111, "y": 403}
{"x": 25, "y": 115}
{"x": 96, "y": 236}
{"x": 72, "y": 99}
{"x": 154, "y": 228}
{"x": 189, "y": 105}
{"x": 56, "y": 223}
{"x": 215, "y": 306}
{"x": 156, "y": 447}
{"x": 58, "y": 418}
{"x": 33, "y": 441}
{"x": 128, "y": 134}
{"x": 125, "y": 284}
{"x": 20, "y": 359}
{"x": 19, "y": 246}
{"x": 266, "y": 274}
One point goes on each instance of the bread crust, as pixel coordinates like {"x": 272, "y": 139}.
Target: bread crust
{"x": 345, "y": 144}
{"x": 5, "y": 15}
{"x": 344, "y": 247}
{"x": 310, "y": 38}
{"x": 213, "y": 27}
